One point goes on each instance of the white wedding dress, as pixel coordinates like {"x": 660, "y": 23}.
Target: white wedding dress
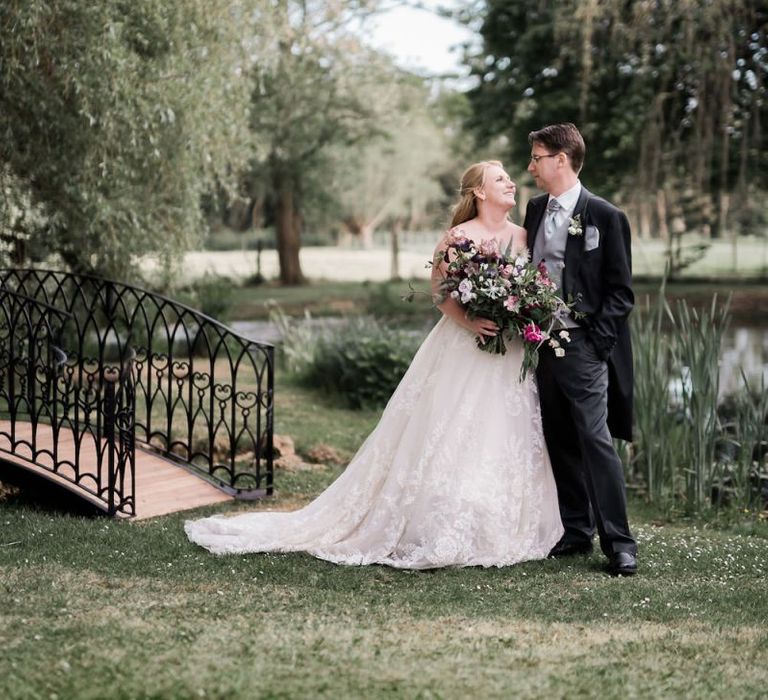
{"x": 456, "y": 473}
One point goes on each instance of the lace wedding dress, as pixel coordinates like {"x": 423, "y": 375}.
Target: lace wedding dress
{"x": 456, "y": 473}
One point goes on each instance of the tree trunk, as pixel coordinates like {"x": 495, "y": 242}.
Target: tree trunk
{"x": 257, "y": 212}
{"x": 644, "y": 214}
{"x": 346, "y": 238}
{"x": 586, "y": 16}
{"x": 723, "y": 199}
{"x": 397, "y": 226}
{"x": 287, "y": 223}
{"x": 366, "y": 236}
{"x": 661, "y": 213}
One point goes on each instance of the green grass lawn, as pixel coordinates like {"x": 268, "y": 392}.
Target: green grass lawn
{"x": 91, "y": 608}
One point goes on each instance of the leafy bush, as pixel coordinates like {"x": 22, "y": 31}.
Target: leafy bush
{"x": 360, "y": 360}
{"x": 364, "y": 362}
{"x": 299, "y": 341}
{"x": 211, "y": 294}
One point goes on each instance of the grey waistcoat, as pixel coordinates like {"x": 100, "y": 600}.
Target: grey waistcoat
{"x": 552, "y": 252}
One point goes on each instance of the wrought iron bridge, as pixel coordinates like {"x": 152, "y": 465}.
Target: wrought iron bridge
{"x": 137, "y": 404}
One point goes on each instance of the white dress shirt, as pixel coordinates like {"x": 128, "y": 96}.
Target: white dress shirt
{"x": 567, "y": 201}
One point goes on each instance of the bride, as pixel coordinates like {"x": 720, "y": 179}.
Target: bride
{"x": 456, "y": 473}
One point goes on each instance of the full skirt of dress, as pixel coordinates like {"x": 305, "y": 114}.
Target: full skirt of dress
{"x": 456, "y": 473}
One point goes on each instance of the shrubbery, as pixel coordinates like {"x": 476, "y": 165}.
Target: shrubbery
{"x": 361, "y": 360}
{"x": 211, "y": 294}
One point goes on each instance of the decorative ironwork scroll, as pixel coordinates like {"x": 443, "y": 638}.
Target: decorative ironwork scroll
{"x": 172, "y": 379}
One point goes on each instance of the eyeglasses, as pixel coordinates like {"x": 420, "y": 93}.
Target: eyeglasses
{"x": 536, "y": 159}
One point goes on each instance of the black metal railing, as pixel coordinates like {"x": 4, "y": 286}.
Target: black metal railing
{"x": 182, "y": 384}
{"x": 64, "y": 413}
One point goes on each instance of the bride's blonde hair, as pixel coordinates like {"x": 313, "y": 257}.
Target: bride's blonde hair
{"x": 472, "y": 179}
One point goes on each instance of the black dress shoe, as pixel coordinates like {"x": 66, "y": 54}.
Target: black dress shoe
{"x": 570, "y": 549}
{"x": 622, "y": 564}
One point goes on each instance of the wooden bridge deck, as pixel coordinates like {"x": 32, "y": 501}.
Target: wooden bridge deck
{"x": 162, "y": 486}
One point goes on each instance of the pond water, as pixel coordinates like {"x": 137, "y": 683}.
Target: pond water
{"x": 745, "y": 347}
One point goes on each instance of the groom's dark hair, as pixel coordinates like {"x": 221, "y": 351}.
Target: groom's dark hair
{"x": 561, "y": 138}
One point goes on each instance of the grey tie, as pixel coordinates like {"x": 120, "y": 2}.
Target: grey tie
{"x": 550, "y": 223}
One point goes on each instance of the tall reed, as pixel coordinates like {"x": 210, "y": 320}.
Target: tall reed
{"x": 747, "y": 472}
{"x": 677, "y": 417}
{"x": 696, "y": 348}
{"x": 659, "y": 432}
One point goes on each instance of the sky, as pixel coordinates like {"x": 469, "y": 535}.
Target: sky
{"x": 419, "y": 39}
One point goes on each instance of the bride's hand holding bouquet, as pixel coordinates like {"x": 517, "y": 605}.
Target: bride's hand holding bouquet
{"x": 503, "y": 293}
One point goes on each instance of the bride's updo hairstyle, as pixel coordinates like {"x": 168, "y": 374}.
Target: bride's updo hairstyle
{"x": 472, "y": 179}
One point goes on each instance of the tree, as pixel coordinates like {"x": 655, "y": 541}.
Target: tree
{"x": 393, "y": 177}
{"x": 669, "y": 95}
{"x": 307, "y": 98}
{"x": 115, "y": 117}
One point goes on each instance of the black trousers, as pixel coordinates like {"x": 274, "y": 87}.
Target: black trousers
{"x": 573, "y": 391}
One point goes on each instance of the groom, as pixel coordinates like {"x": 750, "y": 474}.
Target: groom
{"x": 586, "y": 396}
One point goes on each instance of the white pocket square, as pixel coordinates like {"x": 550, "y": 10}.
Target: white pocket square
{"x": 591, "y": 238}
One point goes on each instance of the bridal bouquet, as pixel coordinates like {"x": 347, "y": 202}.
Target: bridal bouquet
{"x": 509, "y": 290}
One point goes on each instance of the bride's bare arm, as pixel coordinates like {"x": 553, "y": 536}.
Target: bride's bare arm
{"x": 450, "y": 307}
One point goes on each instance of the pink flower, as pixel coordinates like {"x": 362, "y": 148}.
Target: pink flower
{"x": 542, "y": 276}
{"x": 489, "y": 246}
{"x": 532, "y": 333}
{"x": 456, "y": 237}
{"x": 506, "y": 271}
{"x": 512, "y": 303}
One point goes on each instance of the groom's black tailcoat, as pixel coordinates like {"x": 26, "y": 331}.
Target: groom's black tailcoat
{"x": 601, "y": 281}
{"x": 586, "y": 396}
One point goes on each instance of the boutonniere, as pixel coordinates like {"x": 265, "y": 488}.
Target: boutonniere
{"x": 574, "y": 226}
